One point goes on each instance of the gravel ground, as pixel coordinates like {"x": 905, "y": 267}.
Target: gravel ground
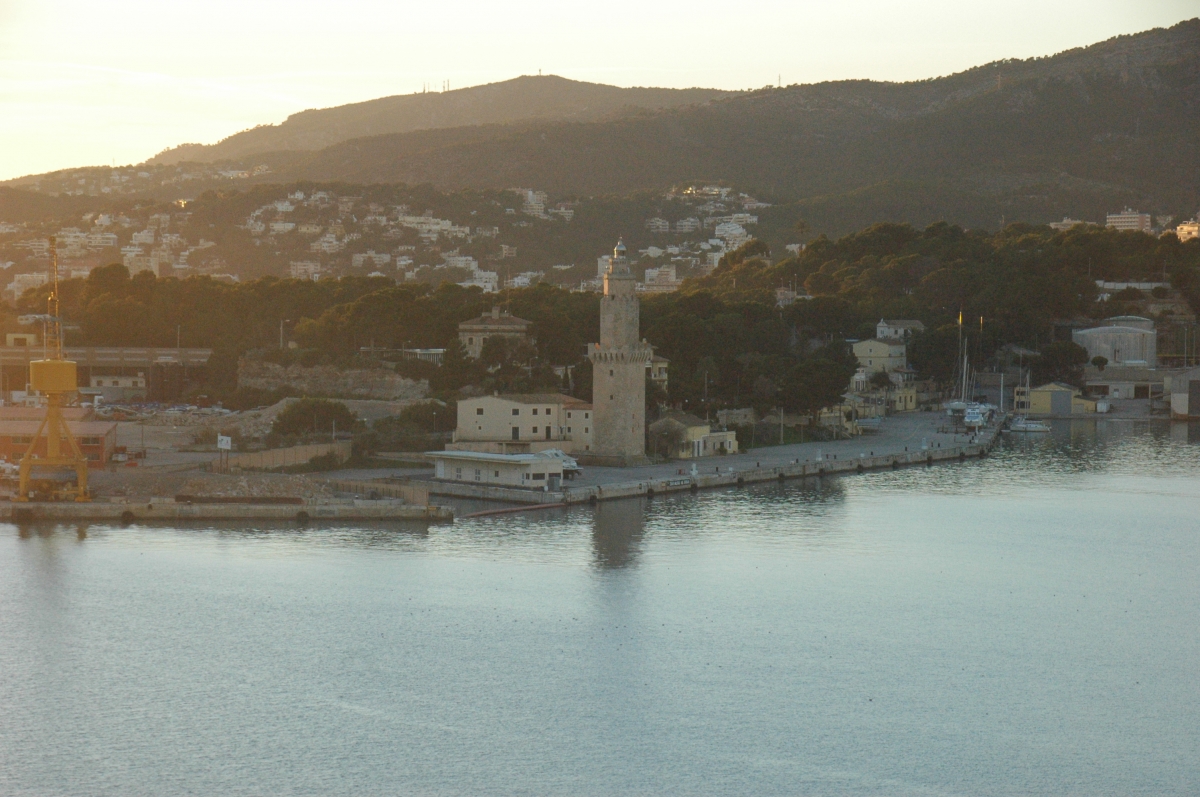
{"x": 148, "y": 482}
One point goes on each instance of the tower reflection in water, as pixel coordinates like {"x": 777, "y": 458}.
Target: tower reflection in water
{"x": 617, "y": 532}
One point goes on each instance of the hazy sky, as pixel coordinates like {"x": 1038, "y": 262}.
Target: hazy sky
{"x": 89, "y": 83}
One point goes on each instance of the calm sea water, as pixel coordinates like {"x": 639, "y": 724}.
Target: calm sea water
{"x": 1024, "y": 625}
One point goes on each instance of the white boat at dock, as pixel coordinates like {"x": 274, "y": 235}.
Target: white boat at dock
{"x": 1023, "y": 425}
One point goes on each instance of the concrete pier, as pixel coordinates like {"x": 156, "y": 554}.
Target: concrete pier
{"x": 915, "y": 440}
{"x": 165, "y": 511}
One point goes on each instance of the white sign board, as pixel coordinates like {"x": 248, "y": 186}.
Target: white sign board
{"x": 224, "y": 443}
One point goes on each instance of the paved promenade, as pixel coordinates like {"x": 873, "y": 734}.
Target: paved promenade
{"x": 897, "y": 434}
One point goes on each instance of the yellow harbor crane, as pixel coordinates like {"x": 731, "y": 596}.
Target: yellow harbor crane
{"x": 56, "y": 378}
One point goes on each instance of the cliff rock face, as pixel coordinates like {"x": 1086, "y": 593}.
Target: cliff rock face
{"x": 328, "y": 381}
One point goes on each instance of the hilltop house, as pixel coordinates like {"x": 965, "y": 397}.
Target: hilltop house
{"x": 475, "y": 333}
{"x": 899, "y": 329}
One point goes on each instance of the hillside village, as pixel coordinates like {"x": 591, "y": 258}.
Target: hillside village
{"x": 317, "y": 234}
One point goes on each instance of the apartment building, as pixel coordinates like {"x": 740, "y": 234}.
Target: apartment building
{"x": 1129, "y": 220}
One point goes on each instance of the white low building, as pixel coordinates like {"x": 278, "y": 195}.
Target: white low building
{"x": 533, "y": 471}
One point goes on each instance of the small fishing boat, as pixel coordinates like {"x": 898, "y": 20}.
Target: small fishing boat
{"x": 1023, "y": 425}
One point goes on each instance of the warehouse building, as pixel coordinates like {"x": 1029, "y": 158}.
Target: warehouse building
{"x": 1120, "y": 345}
{"x": 97, "y": 439}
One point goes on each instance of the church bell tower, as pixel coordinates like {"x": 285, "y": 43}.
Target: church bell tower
{"x": 619, "y": 371}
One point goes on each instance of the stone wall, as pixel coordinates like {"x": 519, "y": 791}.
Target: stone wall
{"x": 327, "y": 381}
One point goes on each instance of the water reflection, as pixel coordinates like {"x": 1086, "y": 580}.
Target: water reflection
{"x": 618, "y": 528}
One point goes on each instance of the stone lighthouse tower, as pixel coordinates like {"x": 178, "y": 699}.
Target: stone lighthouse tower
{"x": 619, "y": 371}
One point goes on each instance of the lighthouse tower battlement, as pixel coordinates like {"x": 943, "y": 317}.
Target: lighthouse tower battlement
{"x": 619, "y": 371}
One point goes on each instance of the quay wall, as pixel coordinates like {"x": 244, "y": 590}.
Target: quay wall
{"x": 409, "y": 493}
{"x": 285, "y": 457}
{"x": 706, "y": 481}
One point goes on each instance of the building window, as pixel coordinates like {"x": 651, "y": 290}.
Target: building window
{"x": 470, "y": 341}
{"x": 478, "y": 474}
{"x": 516, "y": 411}
{"x": 547, "y": 410}
{"x": 568, "y": 430}
{"x": 458, "y": 473}
{"x": 585, "y": 430}
{"x": 568, "y": 415}
{"x": 479, "y": 410}
{"x": 535, "y": 430}
{"x": 539, "y": 477}
{"x": 535, "y": 410}
{"x": 610, "y": 372}
{"x": 496, "y": 474}
{"x": 585, "y": 415}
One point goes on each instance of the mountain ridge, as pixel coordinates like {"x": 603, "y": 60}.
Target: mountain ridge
{"x": 1124, "y": 113}
{"x": 521, "y": 99}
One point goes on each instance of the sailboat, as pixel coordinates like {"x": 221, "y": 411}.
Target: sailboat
{"x": 1022, "y": 424}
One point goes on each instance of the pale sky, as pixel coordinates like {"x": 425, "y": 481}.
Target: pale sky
{"x": 95, "y": 83}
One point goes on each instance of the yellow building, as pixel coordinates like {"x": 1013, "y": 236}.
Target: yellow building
{"x": 1054, "y": 398}
{"x": 880, "y": 355}
{"x": 903, "y": 399}
{"x": 681, "y": 435}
